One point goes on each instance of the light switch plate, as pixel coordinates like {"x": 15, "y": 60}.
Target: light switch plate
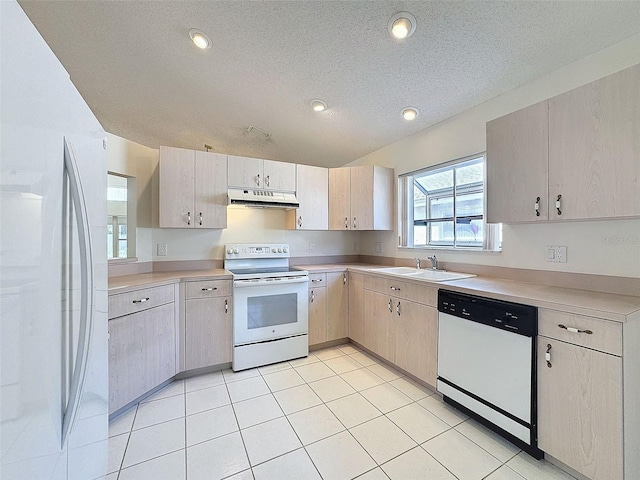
{"x": 161, "y": 249}
{"x": 557, "y": 253}
{"x": 312, "y": 247}
{"x": 379, "y": 247}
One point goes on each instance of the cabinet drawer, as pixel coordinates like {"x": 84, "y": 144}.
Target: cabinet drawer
{"x": 139, "y": 300}
{"x": 317, "y": 280}
{"x": 606, "y": 336}
{"x": 409, "y": 291}
{"x": 208, "y": 288}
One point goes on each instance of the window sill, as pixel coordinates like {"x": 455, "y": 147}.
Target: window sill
{"x": 449, "y": 249}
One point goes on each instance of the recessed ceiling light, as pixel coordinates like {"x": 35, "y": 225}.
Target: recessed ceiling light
{"x": 318, "y": 105}
{"x": 410, "y": 113}
{"x": 402, "y": 25}
{"x": 200, "y": 38}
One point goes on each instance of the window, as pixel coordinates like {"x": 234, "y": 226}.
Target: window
{"x": 120, "y": 207}
{"x": 443, "y": 206}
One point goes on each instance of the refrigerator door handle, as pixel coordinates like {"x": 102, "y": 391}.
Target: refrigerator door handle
{"x": 86, "y": 296}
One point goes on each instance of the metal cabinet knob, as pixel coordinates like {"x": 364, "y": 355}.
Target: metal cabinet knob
{"x": 258, "y": 179}
{"x": 558, "y": 204}
{"x": 200, "y": 218}
{"x": 188, "y": 218}
{"x": 142, "y": 300}
{"x": 537, "y": 206}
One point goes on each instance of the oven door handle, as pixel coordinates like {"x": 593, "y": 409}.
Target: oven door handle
{"x": 264, "y": 282}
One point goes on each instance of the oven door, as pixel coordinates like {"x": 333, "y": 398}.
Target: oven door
{"x": 269, "y": 308}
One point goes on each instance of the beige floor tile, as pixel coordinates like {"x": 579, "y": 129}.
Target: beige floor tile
{"x": 314, "y": 371}
{"x": 269, "y": 440}
{"x": 417, "y": 422}
{"x": 443, "y": 411}
{"x": 411, "y": 389}
{"x": 493, "y": 443}
{"x": 342, "y": 364}
{"x": 111, "y": 476}
{"x": 154, "y": 441}
{"x": 362, "y": 379}
{"x": 211, "y": 424}
{"x": 340, "y": 457}
{"x": 364, "y": 359}
{"x": 353, "y": 410}
{"x": 124, "y": 422}
{"x": 297, "y": 398}
{"x": 231, "y": 376}
{"x": 314, "y": 424}
{"x": 348, "y": 348}
{"x": 416, "y": 464}
{"x": 206, "y": 380}
{"x": 247, "y": 388}
{"x": 206, "y": 399}
{"x": 386, "y": 398}
{"x": 218, "y": 458}
{"x": 257, "y": 410}
{"x": 294, "y": 465}
{"x": 375, "y": 474}
{"x": 276, "y": 367}
{"x": 174, "y": 388}
{"x": 461, "y": 456}
{"x": 533, "y": 469}
{"x": 298, "y": 362}
{"x": 328, "y": 353}
{"x": 167, "y": 467}
{"x": 332, "y": 388}
{"x": 382, "y": 439}
{"x": 504, "y": 473}
{"x": 117, "y": 446}
{"x": 283, "y": 379}
{"x": 159, "y": 411}
{"x": 245, "y": 475}
{"x": 385, "y": 372}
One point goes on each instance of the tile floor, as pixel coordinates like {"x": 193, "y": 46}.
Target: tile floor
{"x": 338, "y": 414}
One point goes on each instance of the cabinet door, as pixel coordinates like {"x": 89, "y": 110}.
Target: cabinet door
{"x": 594, "y": 149}
{"x": 279, "y": 176}
{"x": 313, "y": 195}
{"x": 362, "y": 193}
{"x": 245, "y": 172}
{"x": 210, "y": 210}
{"x": 580, "y": 408}
{"x": 417, "y": 339}
{"x": 517, "y": 165}
{"x": 379, "y": 331}
{"x": 176, "y": 187}
{"x": 382, "y": 197}
{"x": 142, "y": 353}
{"x": 337, "y": 305}
{"x": 340, "y": 198}
{"x": 209, "y": 323}
{"x": 356, "y": 307}
{"x": 317, "y": 315}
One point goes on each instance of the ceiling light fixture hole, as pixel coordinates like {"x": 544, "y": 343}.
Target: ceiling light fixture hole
{"x": 402, "y": 25}
{"x": 200, "y": 39}
{"x": 318, "y": 105}
{"x": 410, "y": 113}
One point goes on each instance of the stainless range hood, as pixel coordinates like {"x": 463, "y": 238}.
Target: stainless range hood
{"x": 262, "y": 198}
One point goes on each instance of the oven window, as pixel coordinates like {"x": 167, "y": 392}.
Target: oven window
{"x": 272, "y": 310}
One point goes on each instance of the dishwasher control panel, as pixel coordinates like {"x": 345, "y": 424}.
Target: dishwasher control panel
{"x": 514, "y": 317}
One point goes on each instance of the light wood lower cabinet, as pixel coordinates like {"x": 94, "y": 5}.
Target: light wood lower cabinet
{"x": 208, "y": 323}
{"x": 356, "y": 307}
{"x": 328, "y": 306}
{"x": 317, "y": 315}
{"x": 142, "y": 353}
{"x": 378, "y": 325}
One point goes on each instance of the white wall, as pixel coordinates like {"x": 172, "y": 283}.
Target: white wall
{"x": 599, "y": 247}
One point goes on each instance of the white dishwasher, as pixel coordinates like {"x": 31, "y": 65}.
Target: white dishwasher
{"x": 486, "y": 363}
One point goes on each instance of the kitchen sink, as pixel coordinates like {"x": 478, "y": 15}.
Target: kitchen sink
{"x": 430, "y": 275}
{"x": 397, "y": 270}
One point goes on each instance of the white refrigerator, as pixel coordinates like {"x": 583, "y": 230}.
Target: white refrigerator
{"x": 53, "y": 268}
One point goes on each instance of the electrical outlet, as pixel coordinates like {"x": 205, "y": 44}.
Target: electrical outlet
{"x": 354, "y": 246}
{"x": 557, "y": 253}
{"x": 312, "y": 247}
{"x": 162, "y": 249}
{"x": 379, "y": 247}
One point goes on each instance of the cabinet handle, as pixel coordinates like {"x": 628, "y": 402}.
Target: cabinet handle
{"x": 547, "y": 355}
{"x": 344, "y": 278}
{"x": 313, "y": 296}
{"x": 226, "y": 306}
{"x": 142, "y": 300}
{"x": 200, "y": 218}
{"x": 346, "y": 223}
{"x": 389, "y": 306}
{"x": 398, "y": 308}
{"x": 314, "y": 280}
{"x": 300, "y": 222}
{"x": 258, "y": 179}
{"x": 354, "y": 223}
{"x": 558, "y": 205}
{"x": 210, "y": 289}
{"x": 575, "y": 330}
{"x": 266, "y": 180}
{"x": 395, "y": 289}
{"x": 188, "y": 218}
{"x": 537, "y": 206}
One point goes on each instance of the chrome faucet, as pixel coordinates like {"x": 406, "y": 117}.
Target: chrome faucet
{"x": 417, "y": 263}
{"x": 434, "y": 262}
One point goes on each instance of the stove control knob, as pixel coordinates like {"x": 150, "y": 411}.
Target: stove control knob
{"x": 235, "y": 250}
{"x": 279, "y": 250}
{"x": 285, "y": 250}
{"x": 274, "y": 249}
{"x": 229, "y": 251}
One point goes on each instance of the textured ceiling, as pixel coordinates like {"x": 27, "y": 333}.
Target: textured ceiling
{"x": 136, "y": 67}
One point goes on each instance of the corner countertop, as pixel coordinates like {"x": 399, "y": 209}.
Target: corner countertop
{"x": 127, "y": 283}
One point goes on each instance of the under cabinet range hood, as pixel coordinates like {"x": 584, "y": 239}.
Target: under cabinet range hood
{"x": 262, "y": 198}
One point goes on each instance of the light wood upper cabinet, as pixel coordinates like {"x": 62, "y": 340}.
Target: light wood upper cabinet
{"x": 356, "y": 307}
{"x": 247, "y": 172}
{"x": 313, "y": 195}
{"x": 337, "y": 305}
{"x": 193, "y": 189}
{"x": 517, "y": 166}
{"x": 361, "y": 198}
{"x": 594, "y": 149}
